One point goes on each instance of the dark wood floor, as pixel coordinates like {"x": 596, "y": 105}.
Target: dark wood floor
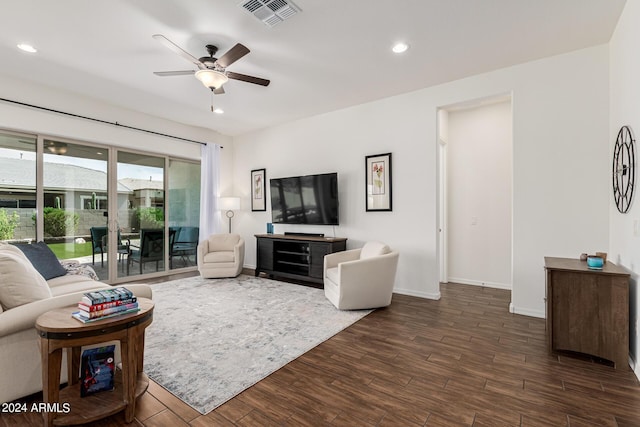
{"x": 460, "y": 361}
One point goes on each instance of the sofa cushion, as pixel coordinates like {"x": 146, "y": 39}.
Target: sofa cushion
{"x": 20, "y": 282}
{"x": 371, "y": 249}
{"x": 43, "y": 259}
{"x": 7, "y": 247}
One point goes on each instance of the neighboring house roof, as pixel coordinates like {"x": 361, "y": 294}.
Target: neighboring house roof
{"x": 21, "y": 173}
{"x": 142, "y": 184}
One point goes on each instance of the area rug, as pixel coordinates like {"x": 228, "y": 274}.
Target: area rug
{"x": 212, "y": 338}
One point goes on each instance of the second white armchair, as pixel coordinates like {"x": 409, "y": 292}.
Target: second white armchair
{"x": 360, "y": 278}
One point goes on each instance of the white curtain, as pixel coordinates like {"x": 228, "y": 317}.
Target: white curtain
{"x": 210, "y": 220}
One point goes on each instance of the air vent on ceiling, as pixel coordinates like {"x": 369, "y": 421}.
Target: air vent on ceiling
{"x": 270, "y": 12}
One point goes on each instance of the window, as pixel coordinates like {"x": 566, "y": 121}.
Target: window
{"x": 17, "y": 186}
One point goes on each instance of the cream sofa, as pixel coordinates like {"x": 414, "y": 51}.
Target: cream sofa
{"x": 25, "y": 295}
{"x": 221, "y": 255}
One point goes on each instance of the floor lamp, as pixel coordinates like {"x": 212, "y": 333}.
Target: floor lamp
{"x": 229, "y": 204}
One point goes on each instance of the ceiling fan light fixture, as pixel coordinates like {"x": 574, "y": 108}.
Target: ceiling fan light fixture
{"x": 400, "y": 47}
{"x": 27, "y": 48}
{"x": 55, "y": 147}
{"x": 211, "y": 79}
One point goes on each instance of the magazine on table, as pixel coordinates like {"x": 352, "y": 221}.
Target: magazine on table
{"x": 97, "y": 370}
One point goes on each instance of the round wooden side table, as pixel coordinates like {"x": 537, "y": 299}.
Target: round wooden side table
{"x": 58, "y": 330}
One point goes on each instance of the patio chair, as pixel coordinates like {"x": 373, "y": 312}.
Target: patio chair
{"x": 123, "y": 248}
{"x": 186, "y": 244}
{"x": 97, "y": 239}
{"x": 151, "y": 248}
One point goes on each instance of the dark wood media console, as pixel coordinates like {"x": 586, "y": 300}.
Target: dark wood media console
{"x": 294, "y": 256}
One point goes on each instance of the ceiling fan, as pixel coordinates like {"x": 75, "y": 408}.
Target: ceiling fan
{"x": 212, "y": 72}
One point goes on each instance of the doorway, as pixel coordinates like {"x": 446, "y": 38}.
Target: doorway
{"x": 475, "y": 152}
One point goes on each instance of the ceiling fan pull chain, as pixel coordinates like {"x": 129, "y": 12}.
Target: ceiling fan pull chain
{"x": 212, "y": 100}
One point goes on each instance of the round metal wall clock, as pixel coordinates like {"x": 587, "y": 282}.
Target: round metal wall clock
{"x": 624, "y": 175}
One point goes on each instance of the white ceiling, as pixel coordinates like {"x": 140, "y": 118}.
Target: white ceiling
{"x": 333, "y": 54}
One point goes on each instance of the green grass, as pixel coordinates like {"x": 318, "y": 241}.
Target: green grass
{"x": 70, "y": 250}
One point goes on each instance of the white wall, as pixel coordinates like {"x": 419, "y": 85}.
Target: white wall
{"x": 560, "y": 181}
{"x": 625, "y": 110}
{"x": 479, "y": 153}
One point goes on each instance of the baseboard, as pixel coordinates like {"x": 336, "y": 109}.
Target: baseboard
{"x": 526, "y": 312}
{"x": 495, "y": 285}
{"x": 412, "y": 293}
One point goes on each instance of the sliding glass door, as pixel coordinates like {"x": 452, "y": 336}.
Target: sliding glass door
{"x": 184, "y": 212}
{"x": 17, "y": 187}
{"x": 100, "y": 206}
{"x": 75, "y": 198}
{"x": 142, "y": 240}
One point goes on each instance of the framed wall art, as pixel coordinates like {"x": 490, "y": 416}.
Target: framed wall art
{"x": 378, "y": 182}
{"x": 258, "y": 193}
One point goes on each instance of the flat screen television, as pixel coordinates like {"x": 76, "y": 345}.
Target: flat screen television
{"x": 310, "y": 199}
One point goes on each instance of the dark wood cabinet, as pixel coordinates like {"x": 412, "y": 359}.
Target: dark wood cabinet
{"x": 294, "y": 256}
{"x": 588, "y": 310}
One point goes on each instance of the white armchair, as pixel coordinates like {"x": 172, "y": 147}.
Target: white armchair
{"x": 221, "y": 255}
{"x": 360, "y": 278}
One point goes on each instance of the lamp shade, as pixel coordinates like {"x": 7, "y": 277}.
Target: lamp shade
{"x": 229, "y": 203}
{"x": 211, "y": 78}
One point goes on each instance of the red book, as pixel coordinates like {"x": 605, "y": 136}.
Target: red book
{"x": 103, "y": 306}
{"x": 107, "y": 311}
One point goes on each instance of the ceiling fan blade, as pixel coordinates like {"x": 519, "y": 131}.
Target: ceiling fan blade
{"x": 173, "y": 73}
{"x": 248, "y": 79}
{"x": 177, "y": 49}
{"x": 219, "y": 91}
{"x": 235, "y": 53}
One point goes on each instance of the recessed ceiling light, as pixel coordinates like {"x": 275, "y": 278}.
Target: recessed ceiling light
{"x": 400, "y": 47}
{"x": 218, "y": 111}
{"x": 27, "y": 48}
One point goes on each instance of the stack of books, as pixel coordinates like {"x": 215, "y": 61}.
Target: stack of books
{"x": 98, "y": 305}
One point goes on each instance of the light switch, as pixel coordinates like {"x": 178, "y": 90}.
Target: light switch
{"x": 474, "y": 220}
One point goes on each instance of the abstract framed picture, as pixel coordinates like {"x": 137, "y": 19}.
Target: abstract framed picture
{"x": 378, "y": 182}
{"x": 258, "y": 196}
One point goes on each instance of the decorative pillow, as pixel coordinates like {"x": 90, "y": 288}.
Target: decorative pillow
{"x": 20, "y": 282}
{"x": 371, "y": 249}
{"x": 43, "y": 259}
